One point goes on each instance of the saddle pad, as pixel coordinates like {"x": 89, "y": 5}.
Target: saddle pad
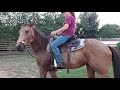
{"x": 80, "y": 46}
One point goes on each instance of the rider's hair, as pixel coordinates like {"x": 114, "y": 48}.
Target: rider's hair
{"x": 72, "y": 13}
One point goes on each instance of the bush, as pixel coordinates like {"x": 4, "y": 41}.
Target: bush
{"x": 118, "y": 45}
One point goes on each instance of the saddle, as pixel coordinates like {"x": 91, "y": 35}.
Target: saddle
{"x": 73, "y": 44}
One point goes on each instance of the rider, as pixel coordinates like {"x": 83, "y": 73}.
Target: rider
{"x": 65, "y": 33}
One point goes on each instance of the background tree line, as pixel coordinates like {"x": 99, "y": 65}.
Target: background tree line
{"x": 87, "y": 24}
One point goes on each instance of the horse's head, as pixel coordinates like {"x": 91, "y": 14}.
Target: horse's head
{"x": 26, "y": 35}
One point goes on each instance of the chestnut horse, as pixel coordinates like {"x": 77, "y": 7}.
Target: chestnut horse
{"x": 95, "y": 55}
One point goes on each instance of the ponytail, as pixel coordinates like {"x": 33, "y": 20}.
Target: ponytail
{"x": 73, "y": 14}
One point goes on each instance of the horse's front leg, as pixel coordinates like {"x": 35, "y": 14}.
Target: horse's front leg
{"x": 53, "y": 73}
{"x": 90, "y": 72}
{"x": 43, "y": 72}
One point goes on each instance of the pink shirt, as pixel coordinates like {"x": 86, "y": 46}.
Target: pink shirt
{"x": 71, "y": 30}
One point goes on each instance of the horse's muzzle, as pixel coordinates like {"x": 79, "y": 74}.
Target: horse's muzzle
{"x": 20, "y": 47}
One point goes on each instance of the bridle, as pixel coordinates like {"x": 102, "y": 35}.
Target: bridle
{"x": 26, "y": 48}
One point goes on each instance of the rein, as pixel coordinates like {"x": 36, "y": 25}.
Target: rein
{"x": 29, "y": 52}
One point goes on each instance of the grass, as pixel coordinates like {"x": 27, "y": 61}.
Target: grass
{"x": 79, "y": 73}
{"x": 24, "y": 66}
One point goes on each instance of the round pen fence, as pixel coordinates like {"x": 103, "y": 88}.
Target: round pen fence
{"x": 9, "y": 48}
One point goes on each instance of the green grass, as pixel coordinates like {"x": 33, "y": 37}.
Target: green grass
{"x": 73, "y": 73}
{"x": 24, "y": 66}
{"x": 79, "y": 73}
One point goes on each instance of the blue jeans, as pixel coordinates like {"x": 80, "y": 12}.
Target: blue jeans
{"x": 54, "y": 46}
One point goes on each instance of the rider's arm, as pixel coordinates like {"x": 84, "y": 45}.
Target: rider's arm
{"x": 65, "y": 27}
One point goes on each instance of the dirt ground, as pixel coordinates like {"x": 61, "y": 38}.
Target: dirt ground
{"x": 18, "y": 66}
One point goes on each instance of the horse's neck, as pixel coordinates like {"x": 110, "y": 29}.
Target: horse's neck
{"x": 40, "y": 43}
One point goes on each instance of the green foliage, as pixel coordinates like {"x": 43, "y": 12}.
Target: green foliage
{"x": 10, "y": 23}
{"x": 89, "y": 25}
{"x": 78, "y": 29}
{"x": 51, "y": 21}
{"x": 109, "y": 31}
{"x": 118, "y": 46}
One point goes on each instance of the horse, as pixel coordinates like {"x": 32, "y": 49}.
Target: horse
{"x": 96, "y": 55}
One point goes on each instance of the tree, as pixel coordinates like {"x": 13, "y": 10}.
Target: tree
{"x": 89, "y": 23}
{"x": 109, "y": 31}
{"x": 11, "y": 21}
{"x": 78, "y": 29}
{"x": 51, "y": 21}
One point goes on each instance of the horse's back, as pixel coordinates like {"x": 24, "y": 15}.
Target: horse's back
{"x": 95, "y": 44}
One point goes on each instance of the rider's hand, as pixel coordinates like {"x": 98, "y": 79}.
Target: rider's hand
{"x": 53, "y": 33}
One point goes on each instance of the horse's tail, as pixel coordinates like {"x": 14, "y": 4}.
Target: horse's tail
{"x": 116, "y": 62}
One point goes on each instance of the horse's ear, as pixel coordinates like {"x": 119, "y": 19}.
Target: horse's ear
{"x": 33, "y": 28}
{"x": 31, "y": 25}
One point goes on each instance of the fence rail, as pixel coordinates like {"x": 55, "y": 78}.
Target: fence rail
{"x": 111, "y": 43}
{"x": 9, "y": 48}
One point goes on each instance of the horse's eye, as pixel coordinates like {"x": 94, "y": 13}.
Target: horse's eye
{"x": 26, "y": 31}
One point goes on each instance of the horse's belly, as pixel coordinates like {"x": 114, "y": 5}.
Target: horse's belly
{"x": 76, "y": 60}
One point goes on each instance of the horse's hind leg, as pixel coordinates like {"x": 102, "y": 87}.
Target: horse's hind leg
{"x": 102, "y": 74}
{"x": 90, "y": 72}
{"x": 53, "y": 73}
